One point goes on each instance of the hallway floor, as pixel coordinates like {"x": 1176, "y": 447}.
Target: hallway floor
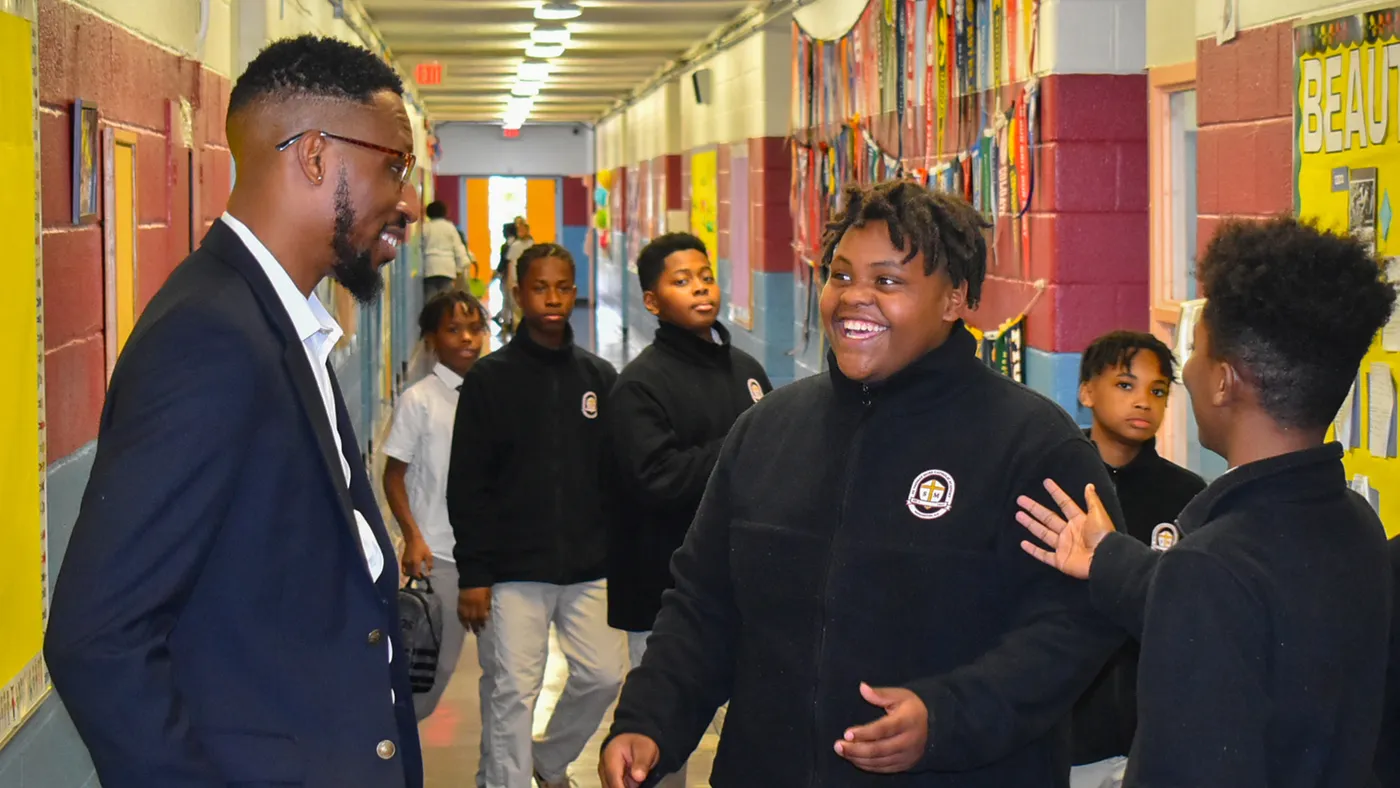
{"x": 452, "y": 736}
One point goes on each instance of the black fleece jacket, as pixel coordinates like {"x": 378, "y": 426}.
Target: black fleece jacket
{"x": 525, "y": 484}
{"x": 669, "y": 413}
{"x": 1152, "y": 491}
{"x": 853, "y": 533}
{"x": 1264, "y": 631}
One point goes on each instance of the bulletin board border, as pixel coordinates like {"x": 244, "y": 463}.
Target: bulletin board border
{"x": 23, "y": 695}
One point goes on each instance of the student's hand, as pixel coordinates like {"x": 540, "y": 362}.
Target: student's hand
{"x": 474, "y": 607}
{"x": 417, "y": 560}
{"x": 628, "y": 761}
{"x": 893, "y": 743}
{"x": 1073, "y": 538}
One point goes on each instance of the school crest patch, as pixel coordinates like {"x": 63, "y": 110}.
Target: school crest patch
{"x": 590, "y": 405}
{"x": 931, "y": 495}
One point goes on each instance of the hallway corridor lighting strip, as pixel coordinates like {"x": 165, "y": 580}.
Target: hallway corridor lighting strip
{"x": 557, "y": 11}
{"x": 550, "y": 34}
{"x": 545, "y": 51}
{"x": 533, "y": 72}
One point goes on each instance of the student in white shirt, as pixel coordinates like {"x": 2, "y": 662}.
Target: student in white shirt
{"x": 517, "y": 247}
{"x": 445, "y": 256}
{"x": 415, "y": 475}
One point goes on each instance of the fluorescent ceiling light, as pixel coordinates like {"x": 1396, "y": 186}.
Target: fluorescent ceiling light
{"x": 525, "y": 89}
{"x": 544, "y": 50}
{"x": 533, "y": 71}
{"x": 550, "y": 34}
{"x": 519, "y": 104}
{"x": 557, "y": 11}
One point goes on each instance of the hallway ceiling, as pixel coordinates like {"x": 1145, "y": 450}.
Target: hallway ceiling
{"x": 615, "y": 46}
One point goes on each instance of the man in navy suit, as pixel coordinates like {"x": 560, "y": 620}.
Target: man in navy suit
{"x": 226, "y": 611}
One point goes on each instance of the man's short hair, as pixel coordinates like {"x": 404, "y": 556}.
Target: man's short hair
{"x": 312, "y": 67}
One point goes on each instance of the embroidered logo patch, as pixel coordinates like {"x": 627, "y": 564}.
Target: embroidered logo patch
{"x": 931, "y": 495}
{"x": 755, "y": 390}
{"x": 1164, "y": 536}
{"x": 590, "y": 405}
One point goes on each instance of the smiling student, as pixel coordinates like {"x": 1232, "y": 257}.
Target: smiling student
{"x": 847, "y": 585}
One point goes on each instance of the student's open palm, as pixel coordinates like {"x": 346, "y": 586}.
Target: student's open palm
{"x": 1073, "y": 537}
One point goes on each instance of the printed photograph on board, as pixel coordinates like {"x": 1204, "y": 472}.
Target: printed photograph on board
{"x": 1362, "y": 210}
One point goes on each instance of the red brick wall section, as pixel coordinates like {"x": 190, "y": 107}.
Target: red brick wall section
{"x": 576, "y": 199}
{"x": 724, "y": 164}
{"x": 135, "y": 85}
{"x": 1088, "y": 218}
{"x": 770, "y": 221}
{"x": 1244, "y": 110}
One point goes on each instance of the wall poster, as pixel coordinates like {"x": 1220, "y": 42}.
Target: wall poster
{"x": 1346, "y": 164}
{"x": 704, "y": 199}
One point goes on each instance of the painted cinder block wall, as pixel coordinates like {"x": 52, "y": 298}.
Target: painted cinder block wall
{"x": 1088, "y": 218}
{"x": 135, "y": 60}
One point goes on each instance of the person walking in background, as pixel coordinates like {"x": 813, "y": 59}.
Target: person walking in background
{"x": 225, "y": 612}
{"x": 670, "y": 410}
{"x": 445, "y": 256}
{"x": 525, "y": 495}
{"x": 415, "y": 472}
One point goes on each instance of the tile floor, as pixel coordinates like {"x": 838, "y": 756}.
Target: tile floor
{"x": 452, "y": 736}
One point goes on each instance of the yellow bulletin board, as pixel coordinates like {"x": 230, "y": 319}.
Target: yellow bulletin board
{"x": 1346, "y": 159}
{"x": 704, "y": 200}
{"x": 23, "y": 574}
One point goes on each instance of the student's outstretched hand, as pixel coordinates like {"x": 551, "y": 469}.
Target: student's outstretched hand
{"x": 627, "y": 761}
{"x": 1073, "y": 537}
{"x": 893, "y": 743}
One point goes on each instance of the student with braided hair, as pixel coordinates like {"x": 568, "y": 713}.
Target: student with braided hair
{"x": 853, "y": 583}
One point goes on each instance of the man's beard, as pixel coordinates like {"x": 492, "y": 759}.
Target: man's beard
{"x": 354, "y": 268}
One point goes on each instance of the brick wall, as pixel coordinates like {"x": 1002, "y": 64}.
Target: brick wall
{"x": 134, "y": 84}
{"x": 1244, "y": 110}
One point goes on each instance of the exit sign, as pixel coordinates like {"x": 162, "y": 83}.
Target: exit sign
{"x": 428, "y": 73}
{"x": 511, "y": 134}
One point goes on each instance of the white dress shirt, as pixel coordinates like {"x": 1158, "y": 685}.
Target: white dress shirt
{"x": 318, "y": 332}
{"x": 422, "y": 438}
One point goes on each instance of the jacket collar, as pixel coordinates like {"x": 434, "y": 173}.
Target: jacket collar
{"x": 1307, "y": 473}
{"x": 685, "y": 345}
{"x": 1146, "y": 456}
{"x": 548, "y": 355}
{"x": 449, "y": 378}
{"x": 941, "y": 370}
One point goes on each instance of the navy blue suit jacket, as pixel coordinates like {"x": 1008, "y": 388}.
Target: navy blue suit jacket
{"x": 214, "y": 621}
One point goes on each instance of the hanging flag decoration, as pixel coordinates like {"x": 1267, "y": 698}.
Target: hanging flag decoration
{"x": 854, "y": 116}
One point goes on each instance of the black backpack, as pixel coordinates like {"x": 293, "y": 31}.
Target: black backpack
{"x": 420, "y": 623}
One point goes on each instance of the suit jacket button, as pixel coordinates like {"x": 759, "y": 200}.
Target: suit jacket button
{"x": 385, "y": 750}
{"x": 374, "y": 637}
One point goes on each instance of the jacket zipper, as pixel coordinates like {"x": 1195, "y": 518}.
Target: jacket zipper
{"x": 558, "y": 514}
{"x": 866, "y": 402}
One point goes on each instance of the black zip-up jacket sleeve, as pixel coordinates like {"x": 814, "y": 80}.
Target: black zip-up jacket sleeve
{"x": 654, "y": 465}
{"x": 687, "y": 672}
{"x": 1120, "y": 579}
{"x": 1196, "y": 600}
{"x": 472, "y": 505}
{"x": 985, "y": 710}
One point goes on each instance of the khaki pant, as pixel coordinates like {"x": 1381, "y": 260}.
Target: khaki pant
{"x": 521, "y": 614}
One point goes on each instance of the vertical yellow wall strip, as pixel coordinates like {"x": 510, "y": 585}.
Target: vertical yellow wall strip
{"x": 478, "y": 210}
{"x": 21, "y": 542}
{"x": 542, "y": 209}
{"x": 124, "y": 234}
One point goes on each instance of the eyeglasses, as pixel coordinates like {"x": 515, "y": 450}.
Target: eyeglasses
{"x": 403, "y": 162}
